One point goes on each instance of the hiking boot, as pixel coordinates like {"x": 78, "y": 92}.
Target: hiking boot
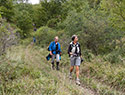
{"x": 57, "y": 66}
{"x": 70, "y": 76}
{"x": 53, "y": 67}
{"x": 78, "y": 82}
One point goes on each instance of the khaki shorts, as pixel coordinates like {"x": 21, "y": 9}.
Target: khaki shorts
{"x": 75, "y": 61}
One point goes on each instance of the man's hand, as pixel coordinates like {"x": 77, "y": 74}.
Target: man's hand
{"x": 71, "y": 53}
{"x": 51, "y": 53}
{"x": 81, "y": 59}
{"x": 81, "y": 56}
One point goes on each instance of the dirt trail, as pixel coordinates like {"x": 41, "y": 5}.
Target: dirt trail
{"x": 59, "y": 74}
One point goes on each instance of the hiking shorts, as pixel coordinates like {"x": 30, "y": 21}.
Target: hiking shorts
{"x": 75, "y": 61}
{"x": 55, "y": 56}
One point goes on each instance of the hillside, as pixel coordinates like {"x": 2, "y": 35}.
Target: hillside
{"x": 26, "y": 31}
{"x": 25, "y": 71}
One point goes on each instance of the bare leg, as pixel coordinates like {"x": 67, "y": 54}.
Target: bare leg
{"x": 70, "y": 74}
{"x": 77, "y": 72}
{"x": 77, "y": 75}
{"x": 71, "y": 69}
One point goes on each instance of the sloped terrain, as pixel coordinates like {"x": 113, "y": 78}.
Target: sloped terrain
{"x": 25, "y": 71}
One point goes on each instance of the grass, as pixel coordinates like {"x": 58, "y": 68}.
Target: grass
{"x": 101, "y": 76}
{"x": 26, "y": 72}
{"x": 106, "y": 73}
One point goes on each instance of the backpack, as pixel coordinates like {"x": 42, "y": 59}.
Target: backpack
{"x": 72, "y": 46}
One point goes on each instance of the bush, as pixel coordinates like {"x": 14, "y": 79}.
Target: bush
{"x": 93, "y": 28}
{"x": 117, "y": 56}
{"x": 9, "y": 35}
{"x": 44, "y": 36}
{"x": 88, "y": 56}
{"x": 52, "y": 23}
{"x": 24, "y": 22}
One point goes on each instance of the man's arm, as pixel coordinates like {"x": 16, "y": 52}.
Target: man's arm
{"x": 60, "y": 48}
{"x": 69, "y": 50}
{"x": 80, "y": 50}
{"x": 50, "y": 49}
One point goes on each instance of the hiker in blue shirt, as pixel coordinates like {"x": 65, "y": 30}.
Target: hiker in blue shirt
{"x": 34, "y": 39}
{"x": 35, "y": 29}
{"x": 55, "y": 52}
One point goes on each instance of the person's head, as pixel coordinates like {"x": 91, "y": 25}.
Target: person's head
{"x": 74, "y": 38}
{"x": 56, "y": 39}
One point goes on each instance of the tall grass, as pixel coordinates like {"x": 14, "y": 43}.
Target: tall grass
{"x": 27, "y": 73}
{"x": 102, "y": 76}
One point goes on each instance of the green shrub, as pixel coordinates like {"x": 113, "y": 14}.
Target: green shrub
{"x": 44, "y": 36}
{"x": 88, "y": 56}
{"x": 52, "y": 23}
{"x": 116, "y": 56}
{"x": 9, "y": 35}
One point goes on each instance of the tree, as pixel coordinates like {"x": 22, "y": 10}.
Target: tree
{"x": 24, "y": 6}
{"x": 93, "y": 28}
{"x": 21, "y": 1}
{"x": 8, "y": 35}
{"x": 6, "y": 9}
{"x": 24, "y": 22}
{"x": 116, "y": 9}
{"x": 24, "y": 18}
{"x": 49, "y": 11}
